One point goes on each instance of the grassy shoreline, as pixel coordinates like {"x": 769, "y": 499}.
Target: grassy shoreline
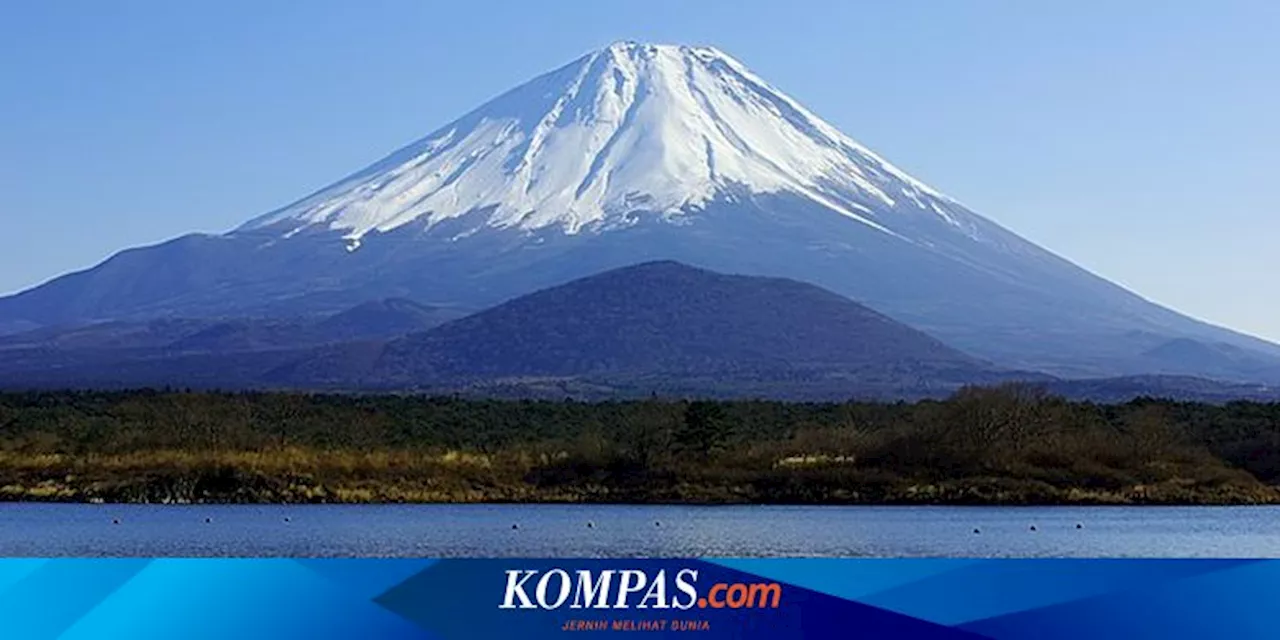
{"x": 336, "y": 477}
{"x": 1010, "y": 445}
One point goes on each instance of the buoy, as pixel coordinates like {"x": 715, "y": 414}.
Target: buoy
{"x": 115, "y": 521}
{"x": 590, "y": 524}
{"x": 657, "y": 524}
{"x": 515, "y": 526}
{"x": 1079, "y": 526}
{"x": 286, "y": 518}
{"x": 1033, "y": 527}
{"x": 208, "y": 520}
{"x": 975, "y": 530}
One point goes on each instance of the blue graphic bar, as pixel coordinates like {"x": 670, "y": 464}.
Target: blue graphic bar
{"x": 473, "y": 599}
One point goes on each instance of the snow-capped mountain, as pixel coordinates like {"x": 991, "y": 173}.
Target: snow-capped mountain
{"x": 633, "y": 127}
{"x": 641, "y": 152}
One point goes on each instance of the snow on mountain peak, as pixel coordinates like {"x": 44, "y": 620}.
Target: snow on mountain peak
{"x": 632, "y": 127}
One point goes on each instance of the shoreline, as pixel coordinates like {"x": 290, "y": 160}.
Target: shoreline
{"x": 1003, "y": 446}
{"x": 393, "y": 496}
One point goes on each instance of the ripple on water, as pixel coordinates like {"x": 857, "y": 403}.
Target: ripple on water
{"x": 635, "y": 531}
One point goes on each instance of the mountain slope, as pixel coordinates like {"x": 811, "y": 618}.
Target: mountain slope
{"x": 656, "y": 328}
{"x": 636, "y": 153}
{"x": 375, "y": 320}
{"x": 659, "y": 321}
{"x": 630, "y": 128}
{"x": 221, "y": 352}
{"x": 381, "y": 319}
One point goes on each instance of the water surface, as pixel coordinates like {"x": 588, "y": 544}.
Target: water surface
{"x": 635, "y": 531}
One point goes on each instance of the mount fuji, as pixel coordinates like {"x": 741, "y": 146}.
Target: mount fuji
{"x": 641, "y": 152}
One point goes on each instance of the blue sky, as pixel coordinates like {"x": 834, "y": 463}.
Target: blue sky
{"x": 1138, "y": 139}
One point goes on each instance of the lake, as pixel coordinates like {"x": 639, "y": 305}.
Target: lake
{"x": 635, "y": 531}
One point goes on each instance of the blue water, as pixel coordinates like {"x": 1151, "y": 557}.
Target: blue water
{"x": 635, "y": 531}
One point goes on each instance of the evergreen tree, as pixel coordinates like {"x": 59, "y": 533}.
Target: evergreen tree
{"x": 704, "y": 429}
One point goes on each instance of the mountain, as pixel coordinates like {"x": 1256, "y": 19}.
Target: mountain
{"x": 221, "y": 352}
{"x": 661, "y": 324}
{"x": 378, "y": 319}
{"x": 656, "y": 328}
{"x": 634, "y": 153}
{"x": 1184, "y": 356}
{"x": 107, "y": 335}
{"x": 1186, "y": 388}
{"x": 390, "y": 317}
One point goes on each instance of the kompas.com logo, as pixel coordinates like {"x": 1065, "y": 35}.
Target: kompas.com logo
{"x": 631, "y": 588}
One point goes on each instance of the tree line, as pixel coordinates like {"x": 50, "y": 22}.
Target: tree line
{"x": 1012, "y": 443}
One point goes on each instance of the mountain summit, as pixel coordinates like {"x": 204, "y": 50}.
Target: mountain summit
{"x": 662, "y": 129}
{"x": 636, "y": 153}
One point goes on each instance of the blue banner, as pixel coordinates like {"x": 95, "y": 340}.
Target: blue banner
{"x": 472, "y": 599}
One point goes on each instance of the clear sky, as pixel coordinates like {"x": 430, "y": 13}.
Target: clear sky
{"x": 1138, "y": 139}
